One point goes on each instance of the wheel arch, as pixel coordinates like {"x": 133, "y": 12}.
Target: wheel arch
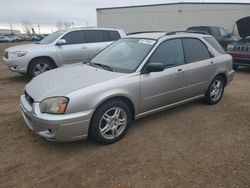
{"x": 224, "y": 76}
{"x": 122, "y": 98}
{"x": 42, "y": 57}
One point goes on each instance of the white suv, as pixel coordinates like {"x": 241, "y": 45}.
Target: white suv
{"x": 59, "y": 48}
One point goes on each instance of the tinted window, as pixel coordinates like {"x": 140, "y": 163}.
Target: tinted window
{"x": 195, "y": 50}
{"x": 74, "y": 37}
{"x": 216, "y": 32}
{"x": 206, "y": 29}
{"x": 94, "y": 36}
{"x": 215, "y": 44}
{"x": 170, "y": 53}
{"x": 113, "y": 35}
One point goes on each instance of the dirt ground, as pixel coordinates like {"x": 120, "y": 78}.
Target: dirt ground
{"x": 194, "y": 145}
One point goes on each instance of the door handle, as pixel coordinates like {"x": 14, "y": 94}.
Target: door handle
{"x": 179, "y": 70}
{"x": 84, "y": 47}
{"x": 211, "y": 62}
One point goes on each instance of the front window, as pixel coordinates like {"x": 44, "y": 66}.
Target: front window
{"x": 51, "y": 38}
{"x": 169, "y": 53}
{"x": 125, "y": 55}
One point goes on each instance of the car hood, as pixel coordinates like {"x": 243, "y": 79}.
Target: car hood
{"x": 61, "y": 81}
{"x": 243, "y": 27}
{"x": 24, "y": 47}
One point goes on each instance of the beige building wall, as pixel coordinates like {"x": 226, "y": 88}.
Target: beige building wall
{"x": 169, "y": 17}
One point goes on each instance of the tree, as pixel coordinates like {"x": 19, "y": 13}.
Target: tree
{"x": 61, "y": 25}
{"x": 27, "y": 26}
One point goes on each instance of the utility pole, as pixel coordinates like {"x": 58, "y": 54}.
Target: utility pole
{"x": 11, "y": 29}
{"x": 38, "y": 28}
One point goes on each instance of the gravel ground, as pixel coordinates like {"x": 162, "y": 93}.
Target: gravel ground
{"x": 194, "y": 145}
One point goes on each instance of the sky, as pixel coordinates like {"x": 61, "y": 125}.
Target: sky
{"x": 47, "y": 13}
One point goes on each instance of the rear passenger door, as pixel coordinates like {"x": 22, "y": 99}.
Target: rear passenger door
{"x": 201, "y": 66}
{"x": 96, "y": 40}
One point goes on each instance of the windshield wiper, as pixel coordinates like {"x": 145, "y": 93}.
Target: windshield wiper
{"x": 106, "y": 67}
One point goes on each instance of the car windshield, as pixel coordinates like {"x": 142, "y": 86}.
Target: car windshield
{"x": 51, "y": 38}
{"x": 124, "y": 55}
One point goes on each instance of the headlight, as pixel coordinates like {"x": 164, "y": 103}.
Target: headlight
{"x": 230, "y": 47}
{"x": 54, "y": 105}
{"x": 17, "y": 54}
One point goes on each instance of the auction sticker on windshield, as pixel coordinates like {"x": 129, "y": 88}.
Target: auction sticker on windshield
{"x": 147, "y": 41}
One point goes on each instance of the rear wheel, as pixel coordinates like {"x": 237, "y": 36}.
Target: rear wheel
{"x": 215, "y": 90}
{"x": 110, "y": 122}
{"x": 39, "y": 66}
{"x": 235, "y": 67}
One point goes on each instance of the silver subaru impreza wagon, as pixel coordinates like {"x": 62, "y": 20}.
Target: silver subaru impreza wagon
{"x": 136, "y": 76}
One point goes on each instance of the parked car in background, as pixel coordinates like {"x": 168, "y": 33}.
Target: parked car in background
{"x": 3, "y": 39}
{"x": 59, "y": 48}
{"x": 219, "y": 33}
{"x": 240, "y": 50}
{"x": 134, "y": 77}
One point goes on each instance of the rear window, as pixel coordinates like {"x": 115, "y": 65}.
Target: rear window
{"x": 206, "y": 29}
{"x": 195, "y": 50}
{"x": 215, "y": 44}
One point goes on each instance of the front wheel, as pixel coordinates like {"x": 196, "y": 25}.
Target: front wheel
{"x": 39, "y": 66}
{"x": 215, "y": 90}
{"x": 110, "y": 122}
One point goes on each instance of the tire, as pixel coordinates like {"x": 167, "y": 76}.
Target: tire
{"x": 235, "y": 67}
{"x": 105, "y": 128}
{"x": 215, "y": 91}
{"x": 34, "y": 69}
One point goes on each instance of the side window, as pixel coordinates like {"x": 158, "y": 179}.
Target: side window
{"x": 215, "y": 44}
{"x": 170, "y": 53}
{"x": 224, "y": 33}
{"x": 195, "y": 50}
{"x": 206, "y": 29}
{"x": 216, "y": 32}
{"x": 113, "y": 35}
{"x": 74, "y": 37}
{"x": 94, "y": 36}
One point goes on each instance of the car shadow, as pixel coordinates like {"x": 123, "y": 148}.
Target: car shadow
{"x": 89, "y": 144}
{"x": 243, "y": 70}
{"x": 15, "y": 79}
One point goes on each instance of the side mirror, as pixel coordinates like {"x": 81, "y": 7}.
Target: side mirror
{"x": 154, "y": 67}
{"x": 61, "y": 42}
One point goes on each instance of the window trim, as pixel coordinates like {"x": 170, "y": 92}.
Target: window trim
{"x": 209, "y": 51}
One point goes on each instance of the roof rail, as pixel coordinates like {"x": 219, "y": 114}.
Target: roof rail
{"x": 187, "y": 31}
{"x": 140, "y": 32}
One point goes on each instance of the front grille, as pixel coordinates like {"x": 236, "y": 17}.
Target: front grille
{"x": 242, "y": 48}
{"x": 29, "y": 98}
{"x": 6, "y": 54}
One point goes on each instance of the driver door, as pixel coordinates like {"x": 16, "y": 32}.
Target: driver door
{"x": 159, "y": 89}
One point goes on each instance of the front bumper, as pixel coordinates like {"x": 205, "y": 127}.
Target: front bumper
{"x": 240, "y": 58}
{"x": 16, "y": 64}
{"x": 60, "y": 128}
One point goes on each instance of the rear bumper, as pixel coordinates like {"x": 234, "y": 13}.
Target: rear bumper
{"x": 230, "y": 76}
{"x": 60, "y": 128}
